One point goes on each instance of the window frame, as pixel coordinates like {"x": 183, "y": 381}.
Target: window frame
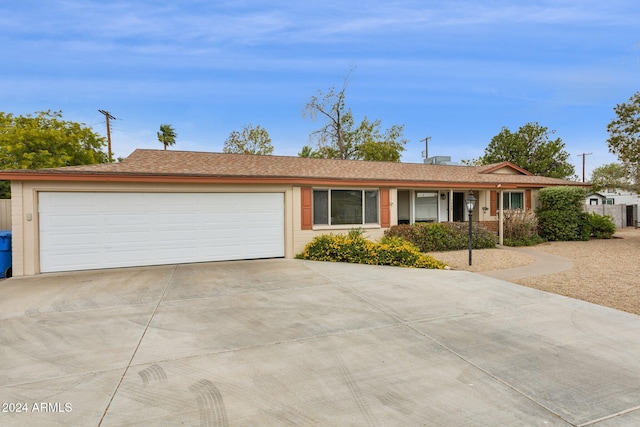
{"x": 507, "y": 200}
{"x": 329, "y": 224}
{"x": 435, "y": 194}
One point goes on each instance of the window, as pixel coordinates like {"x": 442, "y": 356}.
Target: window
{"x": 321, "y": 207}
{"x": 512, "y": 200}
{"x": 610, "y": 202}
{"x": 426, "y": 206}
{"x": 593, "y": 201}
{"x": 345, "y": 207}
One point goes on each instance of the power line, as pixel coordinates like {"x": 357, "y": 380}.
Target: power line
{"x": 108, "y": 116}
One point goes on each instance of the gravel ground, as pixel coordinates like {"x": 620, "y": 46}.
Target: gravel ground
{"x": 605, "y": 272}
{"x": 483, "y": 259}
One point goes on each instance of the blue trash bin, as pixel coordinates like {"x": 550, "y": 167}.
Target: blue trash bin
{"x": 5, "y": 254}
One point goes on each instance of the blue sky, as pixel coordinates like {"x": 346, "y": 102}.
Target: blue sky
{"x": 457, "y": 71}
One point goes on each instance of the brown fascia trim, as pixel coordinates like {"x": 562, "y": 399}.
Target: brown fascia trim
{"x": 202, "y": 179}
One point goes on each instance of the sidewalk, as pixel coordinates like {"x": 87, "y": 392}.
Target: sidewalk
{"x": 544, "y": 264}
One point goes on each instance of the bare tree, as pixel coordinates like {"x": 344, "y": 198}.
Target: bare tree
{"x": 339, "y": 138}
{"x": 332, "y": 139}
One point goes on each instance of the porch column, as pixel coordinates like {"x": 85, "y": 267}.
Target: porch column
{"x": 450, "y": 206}
{"x": 501, "y": 218}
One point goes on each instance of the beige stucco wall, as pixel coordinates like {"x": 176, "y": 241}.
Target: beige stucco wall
{"x": 302, "y": 237}
{"x": 24, "y": 205}
{"x": 484, "y": 200}
{"x": 507, "y": 170}
{"x": 25, "y": 241}
{"x": 17, "y": 227}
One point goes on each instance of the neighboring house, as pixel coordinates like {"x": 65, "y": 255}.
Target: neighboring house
{"x": 594, "y": 199}
{"x": 613, "y": 196}
{"x": 165, "y": 207}
{"x": 620, "y": 205}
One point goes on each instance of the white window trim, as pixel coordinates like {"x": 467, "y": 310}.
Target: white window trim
{"x": 346, "y": 226}
{"x": 414, "y": 196}
{"x": 508, "y": 194}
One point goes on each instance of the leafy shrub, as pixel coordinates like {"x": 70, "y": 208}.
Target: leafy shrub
{"x": 561, "y": 216}
{"x": 602, "y": 227}
{"x": 564, "y": 225}
{"x": 562, "y": 198}
{"x": 523, "y": 241}
{"x": 355, "y": 248}
{"x": 443, "y": 236}
{"x": 521, "y": 228}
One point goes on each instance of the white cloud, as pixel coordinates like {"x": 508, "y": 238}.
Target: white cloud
{"x": 196, "y": 25}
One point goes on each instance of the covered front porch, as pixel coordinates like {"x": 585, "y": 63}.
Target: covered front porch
{"x": 428, "y": 205}
{"x": 448, "y": 205}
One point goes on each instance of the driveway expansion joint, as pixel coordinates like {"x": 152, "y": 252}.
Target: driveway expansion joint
{"x": 135, "y": 351}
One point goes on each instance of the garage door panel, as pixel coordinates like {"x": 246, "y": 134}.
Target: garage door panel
{"x": 71, "y": 221}
{"x": 134, "y": 220}
{"x": 102, "y": 230}
{"x": 82, "y": 261}
{"x": 70, "y": 238}
{"x": 128, "y": 237}
{"x": 173, "y": 219}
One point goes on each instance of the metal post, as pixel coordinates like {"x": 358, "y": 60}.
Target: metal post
{"x": 470, "y": 236}
{"x": 470, "y": 202}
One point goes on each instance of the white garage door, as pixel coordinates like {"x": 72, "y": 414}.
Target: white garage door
{"x": 83, "y": 231}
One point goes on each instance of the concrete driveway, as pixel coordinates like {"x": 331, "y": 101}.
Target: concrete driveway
{"x": 297, "y": 343}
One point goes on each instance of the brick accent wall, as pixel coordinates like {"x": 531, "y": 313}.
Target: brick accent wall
{"x": 490, "y": 225}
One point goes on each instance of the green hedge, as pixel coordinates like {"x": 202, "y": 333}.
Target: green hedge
{"x": 602, "y": 227}
{"x": 561, "y": 216}
{"x": 444, "y": 236}
{"x": 355, "y": 248}
{"x": 564, "y": 225}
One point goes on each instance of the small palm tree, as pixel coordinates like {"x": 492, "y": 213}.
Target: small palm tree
{"x": 167, "y": 136}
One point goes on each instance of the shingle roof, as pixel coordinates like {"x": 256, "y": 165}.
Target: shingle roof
{"x": 153, "y": 165}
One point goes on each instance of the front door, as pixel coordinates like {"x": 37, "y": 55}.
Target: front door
{"x": 458, "y": 207}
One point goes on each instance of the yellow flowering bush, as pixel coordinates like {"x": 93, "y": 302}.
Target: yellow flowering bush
{"x": 355, "y": 248}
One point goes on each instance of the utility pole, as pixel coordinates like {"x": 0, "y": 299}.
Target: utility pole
{"x": 108, "y": 116}
{"x": 583, "y": 155}
{"x": 425, "y": 153}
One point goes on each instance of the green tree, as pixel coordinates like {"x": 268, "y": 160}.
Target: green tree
{"x": 45, "y": 140}
{"x": 251, "y": 140}
{"x": 340, "y": 138}
{"x": 613, "y": 175}
{"x": 531, "y": 149}
{"x": 375, "y": 146}
{"x": 308, "y": 151}
{"x": 624, "y": 133}
{"x": 561, "y": 216}
{"x": 167, "y": 135}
